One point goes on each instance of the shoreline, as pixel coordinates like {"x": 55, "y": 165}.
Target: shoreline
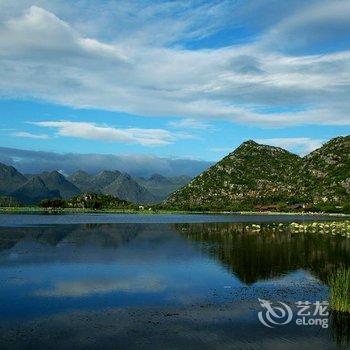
{"x": 38, "y": 210}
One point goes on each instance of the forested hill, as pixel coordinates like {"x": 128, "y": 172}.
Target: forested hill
{"x": 260, "y": 176}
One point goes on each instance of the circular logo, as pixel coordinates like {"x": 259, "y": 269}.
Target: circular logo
{"x": 274, "y": 315}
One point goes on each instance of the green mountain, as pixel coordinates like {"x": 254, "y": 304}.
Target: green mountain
{"x": 55, "y": 181}
{"x": 34, "y": 191}
{"x": 10, "y": 179}
{"x": 161, "y": 187}
{"x": 258, "y": 175}
{"x": 126, "y": 188}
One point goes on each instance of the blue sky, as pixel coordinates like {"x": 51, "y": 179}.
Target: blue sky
{"x": 172, "y": 79}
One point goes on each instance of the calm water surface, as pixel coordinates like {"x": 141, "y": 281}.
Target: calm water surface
{"x": 160, "y": 282}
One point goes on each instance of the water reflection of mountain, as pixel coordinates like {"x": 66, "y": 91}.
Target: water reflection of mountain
{"x": 98, "y": 234}
{"x": 128, "y": 243}
{"x": 254, "y": 256}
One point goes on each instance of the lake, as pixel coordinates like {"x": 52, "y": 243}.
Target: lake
{"x": 103, "y": 281}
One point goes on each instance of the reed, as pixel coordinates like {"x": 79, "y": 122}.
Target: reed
{"x": 339, "y": 283}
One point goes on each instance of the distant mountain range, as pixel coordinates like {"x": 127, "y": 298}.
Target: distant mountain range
{"x": 261, "y": 177}
{"x": 33, "y": 188}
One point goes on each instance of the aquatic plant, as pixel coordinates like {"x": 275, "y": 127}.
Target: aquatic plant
{"x": 334, "y": 227}
{"x": 339, "y": 283}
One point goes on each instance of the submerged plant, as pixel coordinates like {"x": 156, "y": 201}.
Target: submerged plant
{"x": 339, "y": 283}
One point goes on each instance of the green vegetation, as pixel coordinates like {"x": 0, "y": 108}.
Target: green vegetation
{"x": 339, "y": 283}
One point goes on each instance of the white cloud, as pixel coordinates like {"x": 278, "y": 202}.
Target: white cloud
{"x": 92, "y": 131}
{"x": 29, "y": 135}
{"x": 321, "y": 23}
{"x": 301, "y": 145}
{"x": 190, "y": 123}
{"x": 144, "y": 71}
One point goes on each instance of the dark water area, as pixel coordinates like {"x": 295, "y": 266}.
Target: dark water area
{"x": 165, "y": 282}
